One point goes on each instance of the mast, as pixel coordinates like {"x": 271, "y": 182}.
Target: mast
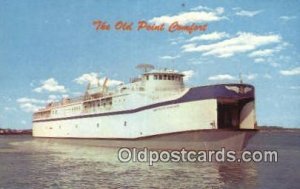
{"x": 240, "y": 77}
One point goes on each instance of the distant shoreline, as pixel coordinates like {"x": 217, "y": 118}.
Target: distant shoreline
{"x": 29, "y": 131}
{"x": 275, "y": 128}
{"x": 15, "y": 132}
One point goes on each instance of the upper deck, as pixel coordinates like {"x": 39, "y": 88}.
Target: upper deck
{"x": 149, "y": 87}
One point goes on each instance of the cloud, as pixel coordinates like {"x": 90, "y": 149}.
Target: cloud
{"x": 200, "y": 7}
{"x": 30, "y": 104}
{"x": 111, "y": 82}
{"x": 242, "y": 42}
{"x": 265, "y": 52}
{"x": 228, "y": 77}
{"x": 249, "y": 76}
{"x": 191, "y": 17}
{"x": 29, "y": 107}
{"x": 30, "y": 100}
{"x": 247, "y": 13}
{"x": 188, "y": 75}
{"x": 269, "y": 60}
{"x": 209, "y": 36}
{"x": 53, "y": 97}
{"x": 259, "y": 60}
{"x": 177, "y": 40}
{"x": 222, "y": 77}
{"x": 287, "y": 18}
{"x": 50, "y": 85}
{"x": 93, "y": 78}
{"x": 268, "y": 52}
{"x": 169, "y": 57}
{"x": 189, "y": 46}
{"x": 87, "y": 78}
{"x": 290, "y": 72}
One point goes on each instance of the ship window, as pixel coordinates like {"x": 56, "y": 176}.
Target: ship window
{"x": 160, "y": 77}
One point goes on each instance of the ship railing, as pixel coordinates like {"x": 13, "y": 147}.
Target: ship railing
{"x": 135, "y": 79}
{"x": 64, "y": 102}
{"x": 38, "y": 116}
{"x": 76, "y": 99}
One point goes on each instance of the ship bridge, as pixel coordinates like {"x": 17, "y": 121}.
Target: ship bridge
{"x": 163, "y": 80}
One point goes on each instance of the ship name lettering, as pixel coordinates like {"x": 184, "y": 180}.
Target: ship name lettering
{"x": 175, "y": 26}
{"x": 101, "y": 25}
{"x": 166, "y": 107}
{"x": 124, "y": 26}
{"x": 143, "y": 25}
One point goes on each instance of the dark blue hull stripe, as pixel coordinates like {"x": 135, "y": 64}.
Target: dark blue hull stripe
{"x": 194, "y": 94}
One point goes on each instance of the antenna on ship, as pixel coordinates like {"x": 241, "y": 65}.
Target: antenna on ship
{"x": 88, "y": 86}
{"x": 145, "y": 67}
{"x": 98, "y": 81}
{"x": 104, "y": 86}
{"x": 240, "y": 77}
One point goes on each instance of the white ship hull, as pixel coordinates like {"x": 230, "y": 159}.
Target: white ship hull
{"x": 187, "y": 116}
{"x": 188, "y": 140}
{"x": 198, "y": 109}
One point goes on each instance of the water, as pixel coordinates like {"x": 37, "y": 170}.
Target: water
{"x": 34, "y": 163}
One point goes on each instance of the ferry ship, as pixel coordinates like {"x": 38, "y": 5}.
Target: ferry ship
{"x": 154, "y": 110}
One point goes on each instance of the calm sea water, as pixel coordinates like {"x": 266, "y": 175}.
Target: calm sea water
{"x": 34, "y": 163}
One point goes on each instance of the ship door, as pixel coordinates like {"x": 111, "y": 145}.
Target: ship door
{"x": 228, "y": 114}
